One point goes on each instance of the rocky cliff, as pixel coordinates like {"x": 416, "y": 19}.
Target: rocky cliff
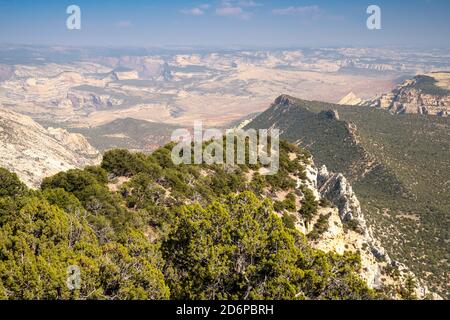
{"x": 347, "y": 230}
{"x": 86, "y": 102}
{"x": 34, "y": 152}
{"x": 424, "y": 94}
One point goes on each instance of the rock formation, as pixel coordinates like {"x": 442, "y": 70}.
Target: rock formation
{"x": 348, "y": 231}
{"x": 351, "y": 100}
{"x": 125, "y": 74}
{"x": 33, "y": 152}
{"x": 87, "y": 102}
{"x": 424, "y": 94}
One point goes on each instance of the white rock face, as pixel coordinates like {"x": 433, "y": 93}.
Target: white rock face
{"x": 335, "y": 188}
{"x": 338, "y": 190}
{"x": 87, "y": 102}
{"x": 351, "y": 100}
{"x": 410, "y": 97}
{"x": 33, "y": 152}
{"x": 311, "y": 183}
{"x": 126, "y": 75}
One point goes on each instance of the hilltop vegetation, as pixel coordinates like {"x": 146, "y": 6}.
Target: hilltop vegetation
{"x": 427, "y": 85}
{"x": 129, "y": 133}
{"x": 139, "y": 227}
{"x": 398, "y": 166}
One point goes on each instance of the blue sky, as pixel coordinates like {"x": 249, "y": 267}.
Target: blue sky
{"x": 257, "y": 23}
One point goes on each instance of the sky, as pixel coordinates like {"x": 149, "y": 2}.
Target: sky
{"x": 252, "y": 23}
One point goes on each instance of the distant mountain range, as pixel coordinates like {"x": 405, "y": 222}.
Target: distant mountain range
{"x": 74, "y": 87}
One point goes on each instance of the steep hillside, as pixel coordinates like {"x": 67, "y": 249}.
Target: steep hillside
{"x": 139, "y": 227}
{"x": 398, "y": 166}
{"x": 34, "y": 152}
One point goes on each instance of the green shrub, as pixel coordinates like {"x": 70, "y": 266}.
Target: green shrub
{"x": 289, "y": 220}
{"x": 10, "y": 185}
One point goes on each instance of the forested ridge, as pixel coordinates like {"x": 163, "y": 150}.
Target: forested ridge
{"x": 397, "y": 166}
{"x": 139, "y": 227}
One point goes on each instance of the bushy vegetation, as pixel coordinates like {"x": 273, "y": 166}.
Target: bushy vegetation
{"x": 140, "y": 134}
{"x": 427, "y": 85}
{"x": 320, "y": 227}
{"x": 309, "y": 205}
{"x": 186, "y": 232}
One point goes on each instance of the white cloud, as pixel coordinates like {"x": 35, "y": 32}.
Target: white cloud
{"x": 296, "y": 10}
{"x": 237, "y": 12}
{"x": 124, "y": 24}
{"x": 197, "y": 11}
{"x": 249, "y": 3}
{"x": 229, "y": 11}
{"x": 225, "y": 8}
{"x": 237, "y": 8}
{"x": 240, "y": 3}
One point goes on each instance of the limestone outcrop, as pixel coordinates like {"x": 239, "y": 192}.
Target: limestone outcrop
{"x": 33, "y": 152}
